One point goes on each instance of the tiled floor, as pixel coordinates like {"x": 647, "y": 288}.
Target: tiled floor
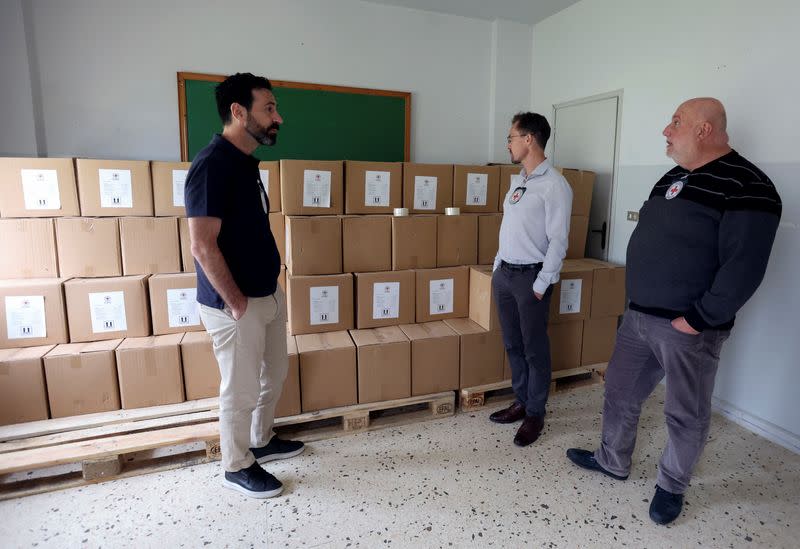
{"x": 449, "y": 483}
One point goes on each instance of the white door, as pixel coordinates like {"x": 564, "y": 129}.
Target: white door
{"x": 584, "y": 137}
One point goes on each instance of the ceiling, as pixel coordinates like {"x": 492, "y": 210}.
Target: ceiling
{"x": 521, "y": 11}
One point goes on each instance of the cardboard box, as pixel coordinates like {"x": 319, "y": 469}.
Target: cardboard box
{"x": 482, "y": 306}
{"x": 608, "y": 289}
{"x": 150, "y": 372}
{"x": 442, "y": 293}
{"x": 312, "y": 187}
{"x": 385, "y": 299}
{"x": 38, "y": 187}
{"x": 510, "y": 178}
{"x": 149, "y": 245}
{"x": 372, "y": 187}
{"x": 114, "y": 188}
{"x": 319, "y": 304}
{"x": 173, "y": 303}
{"x": 82, "y": 378}
{"x": 107, "y": 308}
{"x": 566, "y": 339}
{"x": 313, "y": 245}
{"x": 384, "y": 364}
{"x": 572, "y": 294}
{"x": 578, "y": 231}
{"x": 201, "y": 377}
{"x": 599, "y": 338}
{"x": 28, "y": 248}
{"x": 457, "y": 240}
{"x": 434, "y": 357}
{"x": 582, "y": 183}
{"x": 169, "y": 181}
{"x": 187, "y": 260}
{"x": 271, "y": 179}
{"x": 481, "y": 353}
{"x": 23, "y": 396}
{"x": 366, "y": 243}
{"x": 414, "y": 242}
{"x": 289, "y": 403}
{"x": 327, "y": 370}
{"x": 277, "y": 224}
{"x": 427, "y": 188}
{"x": 476, "y": 188}
{"x": 488, "y": 237}
{"x": 32, "y": 312}
{"x": 88, "y": 247}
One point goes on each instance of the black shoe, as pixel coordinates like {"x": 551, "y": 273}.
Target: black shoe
{"x": 585, "y": 459}
{"x": 278, "y": 448}
{"x": 529, "y": 431}
{"x": 512, "y": 414}
{"x": 665, "y": 506}
{"x": 254, "y": 482}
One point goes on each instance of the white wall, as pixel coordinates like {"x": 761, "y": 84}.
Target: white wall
{"x": 108, "y": 68}
{"x": 661, "y": 53}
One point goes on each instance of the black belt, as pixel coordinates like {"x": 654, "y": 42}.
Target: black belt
{"x": 518, "y": 267}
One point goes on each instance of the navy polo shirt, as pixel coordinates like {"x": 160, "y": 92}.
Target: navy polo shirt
{"x": 225, "y": 183}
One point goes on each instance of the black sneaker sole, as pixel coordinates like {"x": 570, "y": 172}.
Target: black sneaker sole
{"x": 598, "y": 469}
{"x": 249, "y": 493}
{"x": 284, "y": 455}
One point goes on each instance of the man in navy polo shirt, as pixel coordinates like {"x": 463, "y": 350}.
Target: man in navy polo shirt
{"x": 241, "y": 304}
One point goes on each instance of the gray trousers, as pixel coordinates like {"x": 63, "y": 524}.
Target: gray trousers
{"x": 523, "y": 320}
{"x": 648, "y": 348}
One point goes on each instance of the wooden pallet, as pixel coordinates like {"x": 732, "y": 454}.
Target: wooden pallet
{"x": 55, "y": 454}
{"x": 474, "y": 398}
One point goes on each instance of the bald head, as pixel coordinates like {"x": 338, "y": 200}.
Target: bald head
{"x": 698, "y": 132}
{"x": 708, "y": 110}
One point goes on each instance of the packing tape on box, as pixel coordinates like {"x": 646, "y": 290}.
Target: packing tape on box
{"x": 452, "y": 211}
{"x": 401, "y": 212}
{"x": 87, "y": 226}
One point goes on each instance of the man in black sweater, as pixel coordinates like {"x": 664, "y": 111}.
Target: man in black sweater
{"x": 698, "y": 254}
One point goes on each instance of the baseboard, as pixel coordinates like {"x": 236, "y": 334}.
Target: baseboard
{"x": 763, "y": 428}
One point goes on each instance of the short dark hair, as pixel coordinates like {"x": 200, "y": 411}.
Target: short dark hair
{"x": 238, "y": 89}
{"x": 534, "y": 124}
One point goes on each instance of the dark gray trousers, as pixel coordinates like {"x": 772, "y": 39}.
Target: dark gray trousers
{"x": 523, "y": 320}
{"x": 648, "y": 348}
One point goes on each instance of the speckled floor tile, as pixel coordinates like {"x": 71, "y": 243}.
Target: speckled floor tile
{"x": 454, "y": 482}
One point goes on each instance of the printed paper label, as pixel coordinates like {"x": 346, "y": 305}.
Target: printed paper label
{"x": 178, "y": 184}
{"x": 385, "y": 300}
{"x": 316, "y": 189}
{"x": 570, "y": 296}
{"x": 441, "y": 296}
{"x": 425, "y": 192}
{"x": 477, "y": 189}
{"x": 324, "y": 305}
{"x": 376, "y": 188}
{"x": 115, "y": 189}
{"x": 182, "y": 308}
{"x": 265, "y": 180}
{"x": 108, "y": 312}
{"x": 25, "y": 316}
{"x": 40, "y": 189}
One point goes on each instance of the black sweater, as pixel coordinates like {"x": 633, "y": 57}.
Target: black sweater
{"x": 703, "y": 241}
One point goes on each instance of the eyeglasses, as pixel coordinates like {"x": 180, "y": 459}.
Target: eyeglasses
{"x": 510, "y": 137}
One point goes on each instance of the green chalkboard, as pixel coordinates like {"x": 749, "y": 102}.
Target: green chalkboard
{"x": 319, "y": 122}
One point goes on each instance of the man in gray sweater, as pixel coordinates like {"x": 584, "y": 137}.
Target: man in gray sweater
{"x": 698, "y": 254}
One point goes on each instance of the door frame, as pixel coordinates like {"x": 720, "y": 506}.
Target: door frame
{"x": 617, "y": 134}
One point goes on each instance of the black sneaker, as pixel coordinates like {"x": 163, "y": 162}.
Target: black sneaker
{"x": 665, "y": 506}
{"x": 278, "y": 448}
{"x": 254, "y": 482}
{"x": 585, "y": 459}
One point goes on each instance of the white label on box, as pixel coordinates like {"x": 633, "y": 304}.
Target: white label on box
{"x": 425, "y": 192}
{"x": 477, "y": 189}
{"x": 108, "y": 312}
{"x": 40, "y": 189}
{"x": 316, "y": 189}
{"x": 376, "y": 188}
{"x": 324, "y": 305}
{"x": 182, "y": 307}
{"x": 441, "y": 296}
{"x": 116, "y": 190}
{"x": 178, "y": 185}
{"x": 385, "y": 300}
{"x": 570, "y": 296}
{"x": 25, "y": 316}
{"x": 265, "y": 180}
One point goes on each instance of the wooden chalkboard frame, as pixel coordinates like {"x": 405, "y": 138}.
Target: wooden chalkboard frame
{"x": 183, "y": 121}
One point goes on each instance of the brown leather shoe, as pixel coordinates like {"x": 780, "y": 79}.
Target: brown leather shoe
{"x": 529, "y": 431}
{"x": 513, "y": 413}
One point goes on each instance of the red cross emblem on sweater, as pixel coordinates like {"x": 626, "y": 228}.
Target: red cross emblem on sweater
{"x": 674, "y": 189}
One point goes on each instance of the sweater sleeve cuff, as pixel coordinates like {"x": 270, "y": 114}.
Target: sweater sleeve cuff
{"x": 696, "y": 321}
